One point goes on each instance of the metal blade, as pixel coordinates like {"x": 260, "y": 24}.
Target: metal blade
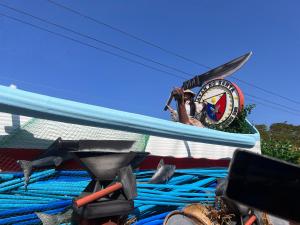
{"x": 219, "y": 72}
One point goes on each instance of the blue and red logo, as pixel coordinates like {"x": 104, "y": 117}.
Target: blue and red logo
{"x": 217, "y": 110}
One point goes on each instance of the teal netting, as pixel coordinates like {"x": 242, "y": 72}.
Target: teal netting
{"x": 33, "y": 133}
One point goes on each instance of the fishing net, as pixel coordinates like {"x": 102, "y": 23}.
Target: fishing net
{"x": 52, "y": 191}
{"x": 33, "y": 133}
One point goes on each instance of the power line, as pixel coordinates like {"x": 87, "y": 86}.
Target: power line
{"x": 273, "y": 107}
{"x": 117, "y": 47}
{"x": 72, "y": 92}
{"x": 59, "y": 90}
{"x": 11, "y": 79}
{"x": 161, "y": 48}
{"x": 266, "y": 91}
{"x": 91, "y": 46}
{"x": 100, "y": 49}
{"x": 129, "y": 52}
{"x": 271, "y": 102}
{"x": 127, "y": 33}
{"x": 93, "y": 38}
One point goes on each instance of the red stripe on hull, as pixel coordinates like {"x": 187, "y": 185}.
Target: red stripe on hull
{"x": 9, "y": 157}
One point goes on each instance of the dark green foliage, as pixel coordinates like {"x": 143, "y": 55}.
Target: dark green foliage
{"x": 280, "y": 132}
{"x": 283, "y": 150}
{"x": 280, "y": 140}
{"x": 239, "y": 125}
{"x": 284, "y": 131}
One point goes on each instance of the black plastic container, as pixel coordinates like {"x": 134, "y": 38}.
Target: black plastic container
{"x": 104, "y": 165}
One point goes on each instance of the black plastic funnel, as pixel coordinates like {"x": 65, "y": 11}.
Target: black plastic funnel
{"x": 104, "y": 164}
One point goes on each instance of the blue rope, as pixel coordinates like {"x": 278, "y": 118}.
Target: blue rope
{"x": 51, "y": 205}
{"x": 23, "y": 201}
{"x": 186, "y": 186}
{"x": 52, "y": 197}
{"x": 54, "y": 192}
{"x": 19, "y": 182}
{"x": 21, "y": 197}
{"x": 15, "y": 219}
{"x": 73, "y": 173}
{"x": 171, "y": 193}
{"x": 6, "y": 176}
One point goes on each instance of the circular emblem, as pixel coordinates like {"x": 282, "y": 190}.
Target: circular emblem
{"x": 223, "y": 100}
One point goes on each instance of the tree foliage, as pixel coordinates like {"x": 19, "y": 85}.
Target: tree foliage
{"x": 280, "y": 149}
{"x": 281, "y": 140}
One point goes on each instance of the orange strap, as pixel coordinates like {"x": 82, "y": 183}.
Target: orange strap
{"x": 99, "y": 194}
{"x": 251, "y": 220}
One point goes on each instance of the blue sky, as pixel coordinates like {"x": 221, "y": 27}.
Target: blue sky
{"x": 209, "y": 32}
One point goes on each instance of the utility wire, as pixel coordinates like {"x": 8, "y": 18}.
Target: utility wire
{"x": 70, "y": 92}
{"x": 271, "y": 102}
{"x": 91, "y": 46}
{"x": 273, "y": 107}
{"x": 126, "y": 33}
{"x": 266, "y": 91}
{"x": 161, "y": 48}
{"x": 106, "y": 43}
{"x": 11, "y": 79}
{"x": 92, "y": 38}
{"x": 127, "y": 51}
{"x": 100, "y": 49}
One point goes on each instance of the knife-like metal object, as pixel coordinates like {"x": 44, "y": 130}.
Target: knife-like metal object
{"x": 222, "y": 71}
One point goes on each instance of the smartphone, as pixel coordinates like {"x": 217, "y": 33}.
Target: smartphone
{"x": 264, "y": 183}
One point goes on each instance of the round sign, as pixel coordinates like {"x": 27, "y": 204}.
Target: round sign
{"x": 223, "y": 100}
